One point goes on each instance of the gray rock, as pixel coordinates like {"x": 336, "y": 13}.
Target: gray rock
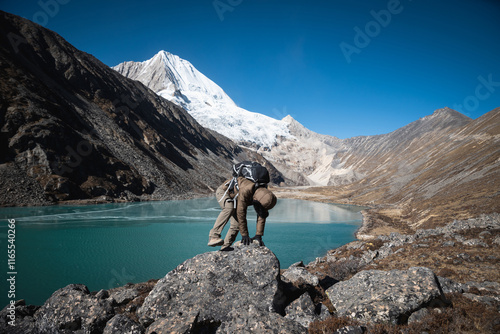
{"x": 489, "y": 300}
{"x": 252, "y": 320}
{"x": 299, "y": 277}
{"x": 483, "y": 234}
{"x": 324, "y": 313}
{"x": 122, "y": 296}
{"x": 449, "y": 286}
{"x": 22, "y": 316}
{"x": 380, "y": 296}
{"x": 73, "y": 308}
{"x": 350, "y": 330}
{"x": 297, "y": 264}
{"x": 355, "y": 245}
{"x": 496, "y": 241}
{"x": 102, "y": 294}
{"x": 418, "y": 315}
{"x": 123, "y": 325}
{"x": 214, "y": 284}
{"x": 475, "y": 242}
{"x": 369, "y": 256}
{"x": 488, "y": 287}
{"x": 177, "y": 324}
{"x": 302, "y": 310}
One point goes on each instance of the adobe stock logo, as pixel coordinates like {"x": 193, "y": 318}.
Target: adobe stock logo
{"x": 49, "y": 9}
{"x": 483, "y": 91}
{"x": 372, "y": 29}
{"x": 222, "y": 6}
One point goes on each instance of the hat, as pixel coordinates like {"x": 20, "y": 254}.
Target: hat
{"x": 265, "y": 197}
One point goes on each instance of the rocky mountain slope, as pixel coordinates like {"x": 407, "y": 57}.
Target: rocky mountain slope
{"x": 440, "y": 167}
{"x": 72, "y": 128}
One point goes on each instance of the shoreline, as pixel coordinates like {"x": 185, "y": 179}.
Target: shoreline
{"x": 368, "y": 218}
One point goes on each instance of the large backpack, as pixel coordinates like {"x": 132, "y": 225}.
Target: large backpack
{"x": 253, "y": 171}
{"x": 250, "y": 170}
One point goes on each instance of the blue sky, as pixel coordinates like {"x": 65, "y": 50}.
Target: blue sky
{"x": 340, "y": 67}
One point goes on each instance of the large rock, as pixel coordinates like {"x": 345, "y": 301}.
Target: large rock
{"x": 71, "y": 309}
{"x": 385, "y": 296}
{"x": 17, "y": 318}
{"x": 302, "y": 310}
{"x": 215, "y": 285}
{"x": 250, "y": 320}
{"x": 299, "y": 277}
{"x": 121, "y": 324}
{"x": 179, "y": 324}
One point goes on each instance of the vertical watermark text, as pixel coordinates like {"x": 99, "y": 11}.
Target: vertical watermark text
{"x": 11, "y": 272}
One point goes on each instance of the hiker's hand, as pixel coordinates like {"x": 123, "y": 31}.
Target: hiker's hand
{"x": 259, "y": 239}
{"x": 246, "y": 240}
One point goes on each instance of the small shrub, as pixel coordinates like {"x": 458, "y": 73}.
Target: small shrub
{"x": 329, "y": 325}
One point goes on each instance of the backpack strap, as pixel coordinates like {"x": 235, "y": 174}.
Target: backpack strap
{"x": 230, "y": 185}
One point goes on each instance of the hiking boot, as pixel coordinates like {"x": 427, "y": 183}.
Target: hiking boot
{"x": 215, "y": 242}
{"x": 227, "y": 249}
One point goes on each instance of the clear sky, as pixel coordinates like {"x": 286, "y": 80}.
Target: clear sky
{"x": 340, "y": 67}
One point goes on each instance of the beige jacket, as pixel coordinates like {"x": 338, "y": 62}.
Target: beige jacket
{"x": 244, "y": 199}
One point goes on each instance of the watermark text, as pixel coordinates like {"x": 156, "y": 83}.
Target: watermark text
{"x": 11, "y": 272}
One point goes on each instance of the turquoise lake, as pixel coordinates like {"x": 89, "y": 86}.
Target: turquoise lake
{"x": 108, "y": 245}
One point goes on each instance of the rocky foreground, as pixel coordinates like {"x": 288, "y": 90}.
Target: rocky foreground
{"x": 362, "y": 287}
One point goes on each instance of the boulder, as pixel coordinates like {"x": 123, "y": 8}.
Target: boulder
{"x": 385, "y": 296}
{"x": 351, "y": 330}
{"x": 418, "y": 315}
{"x": 215, "y": 286}
{"x": 22, "y": 318}
{"x": 123, "y": 296}
{"x": 122, "y": 324}
{"x": 450, "y": 286}
{"x": 179, "y": 324}
{"x": 250, "y": 320}
{"x": 70, "y": 309}
{"x": 302, "y": 310}
{"x": 300, "y": 277}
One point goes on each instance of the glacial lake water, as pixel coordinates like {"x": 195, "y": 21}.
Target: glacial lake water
{"x": 108, "y": 245}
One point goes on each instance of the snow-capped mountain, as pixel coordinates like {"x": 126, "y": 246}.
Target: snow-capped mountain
{"x": 301, "y": 155}
{"x": 179, "y": 81}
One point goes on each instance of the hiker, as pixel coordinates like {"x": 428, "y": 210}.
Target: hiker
{"x": 245, "y": 194}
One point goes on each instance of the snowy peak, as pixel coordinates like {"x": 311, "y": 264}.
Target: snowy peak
{"x": 175, "y": 79}
{"x": 180, "y": 82}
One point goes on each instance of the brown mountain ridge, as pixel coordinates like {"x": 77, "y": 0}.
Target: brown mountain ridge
{"x": 441, "y": 167}
{"x": 72, "y": 129}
